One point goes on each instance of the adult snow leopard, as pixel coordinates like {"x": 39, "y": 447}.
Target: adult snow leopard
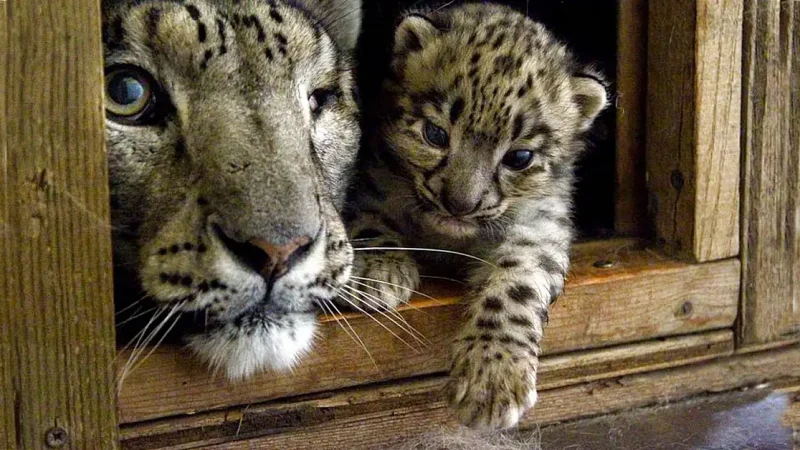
{"x": 231, "y": 133}
{"x": 481, "y": 119}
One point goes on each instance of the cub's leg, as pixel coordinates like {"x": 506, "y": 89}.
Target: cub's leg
{"x": 381, "y": 279}
{"x": 496, "y": 354}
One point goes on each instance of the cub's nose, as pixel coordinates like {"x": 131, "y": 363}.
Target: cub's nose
{"x": 267, "y": 258}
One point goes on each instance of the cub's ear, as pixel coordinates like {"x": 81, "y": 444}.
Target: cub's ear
{"x": 589, "y": 93}
{"x": 415, "y": 32}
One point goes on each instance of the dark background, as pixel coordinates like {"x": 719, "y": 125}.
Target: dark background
{"x": 589, "y": 27}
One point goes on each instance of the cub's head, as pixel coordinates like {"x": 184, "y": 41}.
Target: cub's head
{"x": 231, "y": 132}
{"x": 484, "y": 108}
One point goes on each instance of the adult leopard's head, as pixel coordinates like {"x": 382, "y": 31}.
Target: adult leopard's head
{"x": 484, "y": 110}
{"x": 231, "y": 131}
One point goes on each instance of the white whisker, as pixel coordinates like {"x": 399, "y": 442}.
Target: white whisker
{"x": 356, "y": 338}
{"x": 375, "y": 304}
{"x": 361, "y": 310}
{"x": 418, "y": 249}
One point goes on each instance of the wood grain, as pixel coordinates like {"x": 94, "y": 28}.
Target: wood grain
{"x": 8, "y": 435}
{"x": 380, "y": 415}
{"x": 56, "y": 275}
{"x": 642, "y": 297}
{"x": 771, "y": 194}
{"x": 630, "y": 209}
{"x": 693, "y": 119}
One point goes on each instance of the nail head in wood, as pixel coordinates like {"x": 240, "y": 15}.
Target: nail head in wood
{"x": 56, "y": 437}
{"x": 604, "y": 264}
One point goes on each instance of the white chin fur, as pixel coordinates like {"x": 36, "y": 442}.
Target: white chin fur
{"x": 240, "y": 355}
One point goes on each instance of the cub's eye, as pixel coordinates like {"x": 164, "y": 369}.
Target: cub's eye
{"x": 319, "y": 98}
{"x": 130, "y": 95}
{"x": 518, "y": 159}
{"x": 435, "y": 135}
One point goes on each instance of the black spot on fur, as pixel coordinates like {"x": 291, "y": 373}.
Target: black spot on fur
{"x": 521, "y": 321}
{"x": 499, "y": 41}
{"x": 498, "y": 356}
{"x": 194, "y": 13}
{"x": 164, "y": 277}
{"x": 517, "y": 128}
{"x": 162, "y": 251}
{"x": 153, "y": 19}
{"x": 487, "y": 324}
{"x": 186, "y": 281}
{"x": 268, "y": 54}
{"x": 493, "y": 304}
{"x": 174, "y": 249}
{"x": 174, "y": 279}
{"x": 206, "y": 58}
{"x": 549, "y": 264}
{"x": 201, "y": 32}
{"x": 201, "y": 248}
{"x": 260, "y": 35}
{"x": 508, "y": 263}
{"x": 203, "y": 287}
{"x": 521, "y": 294}
{"x": 276, "y": 16}
{"x": 456, "y": 109}
{"x": 280, "y": 38}
{"x": 188, "y": 246}
{"x": 486, "y": 338}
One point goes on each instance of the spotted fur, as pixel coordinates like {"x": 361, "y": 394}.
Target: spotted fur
{"x": 494, "y": 81}
{"x": 237, "y": 152}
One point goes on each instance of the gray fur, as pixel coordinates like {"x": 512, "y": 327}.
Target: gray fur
{"x": 241, "y": 155}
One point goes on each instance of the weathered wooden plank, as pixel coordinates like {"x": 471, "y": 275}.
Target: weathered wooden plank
{"x": 8, "y": 435}
{"x": 556, "y": 371}
{"x": 630, "y": 197}
{"x": 771, "y": 202}
{"x": 56, "y": 271}
{"x": 381, "y": 415}
{"x": 643, "y": 296}
{"x": 693, "y": 117}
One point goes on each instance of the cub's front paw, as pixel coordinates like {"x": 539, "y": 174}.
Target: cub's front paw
{"x": 380, "y": 281}
{"x": 491, "y": 385}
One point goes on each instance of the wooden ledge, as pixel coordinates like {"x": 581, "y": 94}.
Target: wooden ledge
{"x": 644, "y": 295}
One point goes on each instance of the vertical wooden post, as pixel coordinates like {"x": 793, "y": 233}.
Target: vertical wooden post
{"x": 771, "y": 172}
{"x": 630, "y": 203}
{"x": 693, "y": 119}
{"x": 56, "y": 280}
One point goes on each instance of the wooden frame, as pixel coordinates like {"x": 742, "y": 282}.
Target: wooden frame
{"x": 638, "y": 325}
{"x": 56, "y": 279}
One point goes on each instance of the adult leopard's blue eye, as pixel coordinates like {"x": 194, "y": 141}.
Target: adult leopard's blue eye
{"x": 435, "y": 135}
{"x": 518, "y": 159}
{"x": 130, "y": 94}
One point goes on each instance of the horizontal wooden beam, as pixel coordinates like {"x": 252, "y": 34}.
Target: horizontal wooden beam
{"x": 642, "y": 296}
{"x": 379, "y": 415}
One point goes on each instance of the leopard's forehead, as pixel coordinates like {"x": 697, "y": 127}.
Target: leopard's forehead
{"x": 218, "y": 43}
{"x": 493, "y": 65}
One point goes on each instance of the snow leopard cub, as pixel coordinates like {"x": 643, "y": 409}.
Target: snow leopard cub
{"x": 480, "y": 121}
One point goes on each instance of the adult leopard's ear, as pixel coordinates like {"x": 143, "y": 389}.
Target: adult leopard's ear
{"x": 416, "y": 30}
{"x": 591, "y": 96}
{"x": 340, "y": 18}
